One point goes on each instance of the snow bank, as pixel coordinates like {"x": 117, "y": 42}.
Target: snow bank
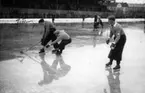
{"x": 66, "y": 20}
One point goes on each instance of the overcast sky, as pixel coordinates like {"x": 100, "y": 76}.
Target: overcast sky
{"x": 131, "y": 1}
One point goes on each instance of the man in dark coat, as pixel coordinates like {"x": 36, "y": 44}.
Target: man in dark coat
{"x": 117, "y": 33}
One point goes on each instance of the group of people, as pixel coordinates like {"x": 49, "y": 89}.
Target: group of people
{"x": 60, "y": 39}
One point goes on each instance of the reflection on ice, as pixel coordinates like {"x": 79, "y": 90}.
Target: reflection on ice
{"x": 113, "y": 81}
{"x": 52, "y": 72}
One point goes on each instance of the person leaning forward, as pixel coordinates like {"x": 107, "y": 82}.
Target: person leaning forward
{"x": 64, "y": 40}
{"x": 48, "y": 34}
{"x": 119, "y": 37}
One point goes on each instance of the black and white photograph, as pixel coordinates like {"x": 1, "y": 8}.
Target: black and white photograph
{"x": 72, "y": 46}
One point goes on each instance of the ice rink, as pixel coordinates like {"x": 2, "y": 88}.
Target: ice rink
{"x": 80, "y": 69}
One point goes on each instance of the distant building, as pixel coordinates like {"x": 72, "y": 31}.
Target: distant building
{"x": 136, "y": 7}
{"x": 127, "y": 10}
{"x": 114, "y": 6}
{"x": 136, "y": 10}
{"x": 125, "y": 6}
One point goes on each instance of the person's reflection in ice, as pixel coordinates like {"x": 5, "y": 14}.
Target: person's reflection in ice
{"x": 94, "y": 41}
{"x": 64, "y": 68}
{"x": 94, "y": 36}
{"x": 49, "y": 73}
{"x": 114, "y": 82}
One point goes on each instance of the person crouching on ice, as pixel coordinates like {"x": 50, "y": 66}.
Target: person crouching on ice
{"x": 64, "y": 40}
{"x": 119, "y": 41}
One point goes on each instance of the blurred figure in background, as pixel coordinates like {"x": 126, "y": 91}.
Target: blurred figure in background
{"x": 53, "y": 18}
{"x": 97, "y": 23}
{"x": 83, "y": 17}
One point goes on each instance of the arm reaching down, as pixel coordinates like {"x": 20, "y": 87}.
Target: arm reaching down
{"x": 110, "y": 36}
{"x": 57, "y": 40}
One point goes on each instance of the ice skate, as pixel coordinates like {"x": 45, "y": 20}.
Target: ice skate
{"x": 116, "y": 68}
{"x": 108, "y": 65}
{"x": 55, "y": 51}
{"x": 58, "y": 53}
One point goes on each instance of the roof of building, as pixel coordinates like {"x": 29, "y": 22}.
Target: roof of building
{"x": 136, "y": 5}
{"x": 118, "y": 5}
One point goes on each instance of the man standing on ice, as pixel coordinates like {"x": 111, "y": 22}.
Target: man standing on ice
{"x": 119, "y": 40}
{"x": 49, "y": 29}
